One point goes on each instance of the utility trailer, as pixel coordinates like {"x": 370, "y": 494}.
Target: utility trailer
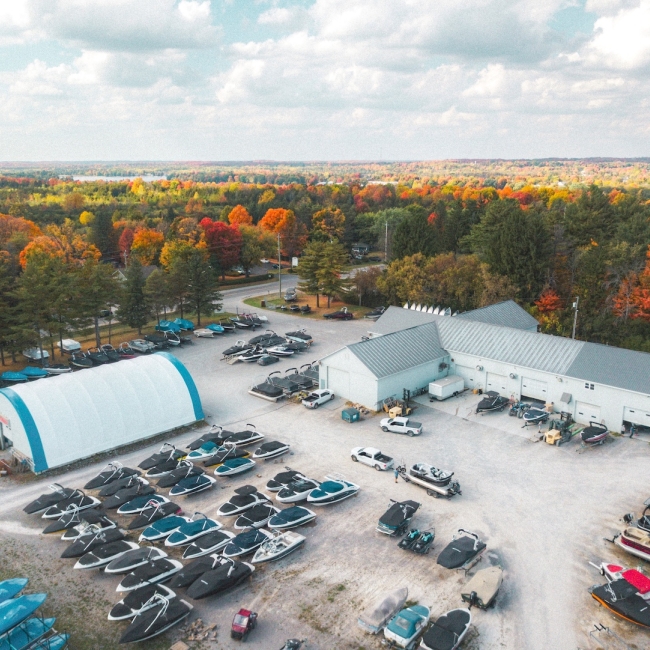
{"x": 446, "y": 387}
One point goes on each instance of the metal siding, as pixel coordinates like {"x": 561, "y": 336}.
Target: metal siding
{"x": 498, "y": 383}
{"x": 468, "y": 375}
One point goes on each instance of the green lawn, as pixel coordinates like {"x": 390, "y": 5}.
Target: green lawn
{"x": 275, "y": 300}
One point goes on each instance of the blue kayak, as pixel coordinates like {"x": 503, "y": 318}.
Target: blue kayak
{"x": 26, "y": 633}
{"x": 12, "y": 587}
{"x": 34, "y": 373}
{"x": 14, "y": 377}
{"x": 14, "y": 611}
{"x": 56, "y": 642}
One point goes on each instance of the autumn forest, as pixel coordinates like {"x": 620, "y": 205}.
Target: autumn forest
{"x": 461, "y": 240}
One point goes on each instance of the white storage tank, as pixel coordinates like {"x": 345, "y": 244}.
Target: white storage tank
{"x": 446, "y": 387}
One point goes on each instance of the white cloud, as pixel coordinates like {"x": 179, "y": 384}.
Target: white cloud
{"x": 623, "y": 40}
{"x": 194, "y": 11}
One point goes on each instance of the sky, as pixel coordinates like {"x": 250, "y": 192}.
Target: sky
{"x": 323, "y": 79}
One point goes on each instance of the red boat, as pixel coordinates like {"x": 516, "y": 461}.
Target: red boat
{"x": 594, "y": 434}
{"x": 243, "y": 622}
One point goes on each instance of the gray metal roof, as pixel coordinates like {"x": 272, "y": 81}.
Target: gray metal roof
{"x": 602, "y": 364}
{"x": 507, "y": 313}
{"x": 509, "y": 345}
{"x": 395, "y": 319}
{"x": 393, "y": 353}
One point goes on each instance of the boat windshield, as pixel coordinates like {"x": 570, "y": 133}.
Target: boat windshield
{"x": 402, "y": 625}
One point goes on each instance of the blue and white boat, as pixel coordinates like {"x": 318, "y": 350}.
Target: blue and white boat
{"x": 332, "y": 490}
{"x": 163, "y": 528}
{"x": 192, "y": 485}
{"x": 246, "y": 543}
{"x": 188, "y": 532}
{"x": 291, "y": 517}
{"x": 184, "y": 324}
{"x": 215, "y": 327}
{"x": 406, "y": 626}
{"x": 11, "y": 588}
{"x": 167, "y": 326}
{"x": 10, "y": 377}
{"x": 26, "y": 633}
{"x": 34, "y": 372}
{"x": 235, "y": 466}
{"x": 16, "y": 610}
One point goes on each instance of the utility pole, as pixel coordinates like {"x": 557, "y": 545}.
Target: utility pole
{"x": 386, "y": 245}
{"x": 575, "y": 316}
{"x": 279, "y": 267}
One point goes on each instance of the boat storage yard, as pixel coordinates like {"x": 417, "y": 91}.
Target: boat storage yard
{"x": 543, "y": 511}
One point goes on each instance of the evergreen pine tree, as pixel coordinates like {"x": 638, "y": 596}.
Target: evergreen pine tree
{"x": 133, "y": 309}
{"x": 308, "y": 268}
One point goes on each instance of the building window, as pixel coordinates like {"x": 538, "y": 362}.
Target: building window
{"x": 589, "y": 386}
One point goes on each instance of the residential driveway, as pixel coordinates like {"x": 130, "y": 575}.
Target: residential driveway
{"x": 542, "y": 511}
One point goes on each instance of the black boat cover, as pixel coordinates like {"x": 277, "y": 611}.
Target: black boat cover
{"x": 205, "y": 542}
{"x": 115, "y": 486}
{"x": 91, "y": 541}
{"x": 154, "y": 513}
{"x": 48, "y": 499}
{"x": 281, "y": 479}
{"x": 134, "y": 600}
{"x": 72, "y": 519}
{"x": 289, "y": 515}
{"x": 268, "y": 389}
{"x": 271, "y": 446}
{"x": 623, "y": 599}
{"x": 134, "y": 558}
{"x": 398, "y": 513}
{"x": 219, "y": 579}
{"x": 184, "y": 470}
{"x": 594, "y": 430}
{"x": 156, "y": 620}
{"x": 105, "y": 551}
{"x": 445, "y": 632}
{"x": 167, "y": 451}
{"x": 461, "y": 550}
{"x": 217, "y": 437}
{"x": 109, "y": 475}
{"x": 190, "y": 572}
{"x": 255, "y": 515}
{"x": 125, "y": 495}
{"x": 148, "y": 572}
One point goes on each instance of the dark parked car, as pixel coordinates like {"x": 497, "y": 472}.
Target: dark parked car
{"x": 341, "y": 314}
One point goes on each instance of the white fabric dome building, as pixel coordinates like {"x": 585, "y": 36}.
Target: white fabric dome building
{"x": 61, "y": 419}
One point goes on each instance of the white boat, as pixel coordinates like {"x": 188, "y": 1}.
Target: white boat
{"x": 332, "y": 490}
{"x": 296, "y": 491}
{"x": 270, "y": 450}
{"x": 635, "y": 541}
{"x": 278, "y": 547}
{"x": 245, "y": 497}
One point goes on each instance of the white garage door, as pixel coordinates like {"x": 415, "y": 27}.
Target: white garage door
{"x": 498, "y": 383}
{"x": 534, "y": 388}
{"x": 467, "y": 374}
{"x": 636, "y": 416}
{"x": 338, "y": 381}
{"x": 586, "y": 413}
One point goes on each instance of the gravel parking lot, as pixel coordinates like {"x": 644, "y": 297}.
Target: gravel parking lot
{"x": 543, "y": 512}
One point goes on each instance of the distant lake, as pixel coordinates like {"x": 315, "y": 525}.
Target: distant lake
{"x": 108, "y": 179}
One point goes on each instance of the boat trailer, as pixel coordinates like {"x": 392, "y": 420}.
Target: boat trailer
{"x": 436, "y": 491}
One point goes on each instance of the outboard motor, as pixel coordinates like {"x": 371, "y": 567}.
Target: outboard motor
{"x": 473, "y": 599}
{"x": 628, "y": 518}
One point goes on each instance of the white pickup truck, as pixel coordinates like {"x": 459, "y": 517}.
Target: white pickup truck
{"x": 401, "y": 425}
{"x": 373, "y": 457}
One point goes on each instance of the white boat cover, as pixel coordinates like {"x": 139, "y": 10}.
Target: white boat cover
{"x": 486, "y": 584}
{"x": 374, "y": 618}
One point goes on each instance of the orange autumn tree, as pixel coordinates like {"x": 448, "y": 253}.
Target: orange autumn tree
{"x": 293, "y": 234}
{"x": 147, "y": 245}
{"x": 549, "y": 301}
{"x": 239, "y": 216}
{"x": 11, "y": 227}
{"x": 632, "y": 300}
{"x": 61, "y": 241}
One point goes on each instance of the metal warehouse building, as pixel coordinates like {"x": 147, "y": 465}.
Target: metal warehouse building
{"x": 58, "y": 420}
{"x": 591, "y": 381}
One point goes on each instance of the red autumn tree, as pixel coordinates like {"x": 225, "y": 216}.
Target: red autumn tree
{"x": 239, "y": 216}
{"x": 126, "y": 240}
{"x": 549, "y": 301}
{"x": 224, "y": 243}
